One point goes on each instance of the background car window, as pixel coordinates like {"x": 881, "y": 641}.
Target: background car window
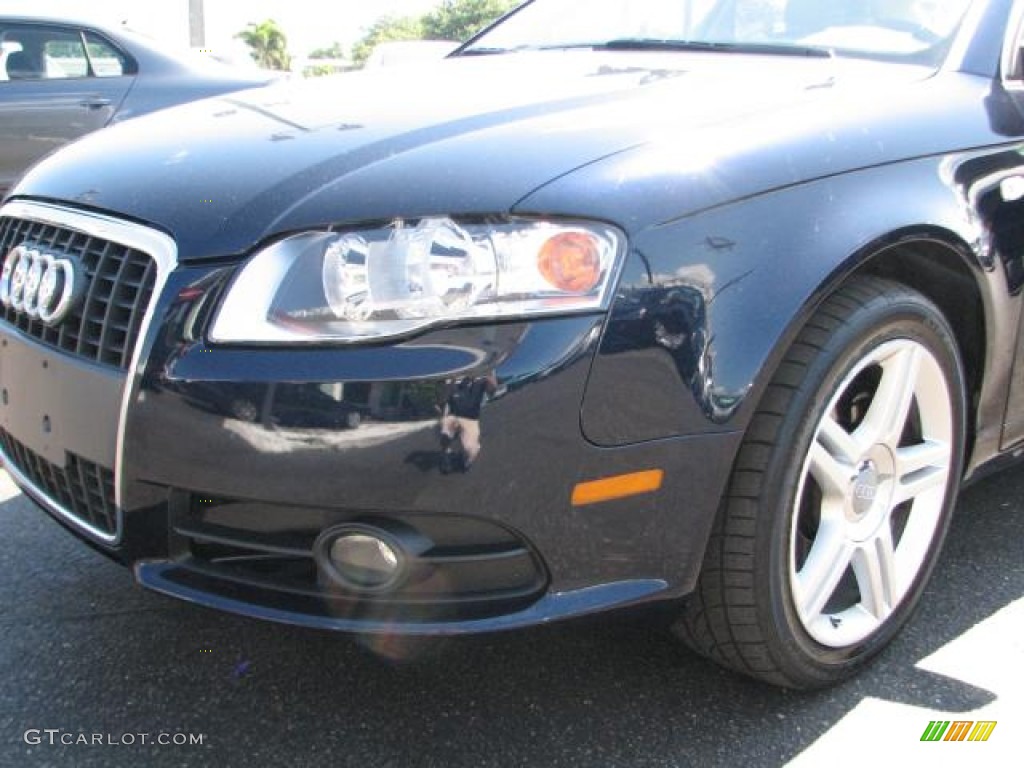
{"x": 47, "y": 53}
{"x": 64, "y": 56}
{"x": 106, "y": 60}
{"x": 1013, "y": 56}
{"x": 6, "y": 49}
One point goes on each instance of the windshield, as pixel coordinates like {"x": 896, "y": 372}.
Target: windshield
{"x": 915, "y": 30}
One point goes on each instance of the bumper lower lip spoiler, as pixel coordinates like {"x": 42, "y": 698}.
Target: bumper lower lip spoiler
{"x": 158, "y": 576}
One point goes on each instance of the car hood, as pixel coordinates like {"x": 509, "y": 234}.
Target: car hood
{"x": 462, "y": 136}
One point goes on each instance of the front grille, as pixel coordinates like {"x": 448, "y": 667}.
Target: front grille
{"x": 105, "y": 326}
{"x": 81, "y": 487}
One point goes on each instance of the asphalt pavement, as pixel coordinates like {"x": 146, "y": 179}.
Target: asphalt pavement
{"x": 97, "y": 672}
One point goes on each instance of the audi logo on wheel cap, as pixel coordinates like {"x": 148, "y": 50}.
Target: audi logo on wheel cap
{"x": 40, "y": 284}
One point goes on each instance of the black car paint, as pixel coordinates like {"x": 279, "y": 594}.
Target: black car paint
{"x": 397, "y": 468}
{"x": 827, "y": 136}
{"x": 322, "y": 143}
{"x": 701, "y": 316}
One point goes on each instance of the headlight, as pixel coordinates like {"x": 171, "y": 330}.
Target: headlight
{"x": 378, "y": 283}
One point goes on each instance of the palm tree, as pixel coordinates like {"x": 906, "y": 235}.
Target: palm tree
{"x": 268, "y": 43}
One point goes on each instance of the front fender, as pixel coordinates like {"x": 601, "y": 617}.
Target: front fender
{"x": 708, "y": 304}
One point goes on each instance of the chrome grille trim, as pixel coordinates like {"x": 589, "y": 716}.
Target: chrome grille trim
{"x": 115, "y": 281}
{"x": 163, "y": 250}
{"x": 82, "y": 486}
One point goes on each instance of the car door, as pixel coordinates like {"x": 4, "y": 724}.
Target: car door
{"x": 57, "y": 84}
{"x": 996, "y": 192}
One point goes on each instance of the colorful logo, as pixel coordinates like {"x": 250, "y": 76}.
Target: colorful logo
{"x": 959, "y": 730}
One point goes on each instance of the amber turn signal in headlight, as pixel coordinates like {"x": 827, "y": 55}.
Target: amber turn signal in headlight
{"x": 571, "y": 261}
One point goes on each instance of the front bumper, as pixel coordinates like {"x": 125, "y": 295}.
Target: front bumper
{"x": 229, "y": 463}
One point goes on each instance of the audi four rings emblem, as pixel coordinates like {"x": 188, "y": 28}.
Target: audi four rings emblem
{"x": 40, "y": 284}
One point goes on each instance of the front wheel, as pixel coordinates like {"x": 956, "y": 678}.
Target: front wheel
{"x": 841, "y": 494}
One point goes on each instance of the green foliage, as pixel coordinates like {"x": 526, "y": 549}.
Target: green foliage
{"x": 319, "y": 70}
{"x": 458, "y": 20}
{"x": 454, "y": 20}
{"x": 335, "y": 51}
{"x": 385, "y": 30}
{"x": 268, "y": 44}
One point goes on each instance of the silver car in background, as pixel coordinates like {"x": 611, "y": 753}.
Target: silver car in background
{"x": 60, "y": 80}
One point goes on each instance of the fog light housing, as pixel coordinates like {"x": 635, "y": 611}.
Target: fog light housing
{"x": 366, "y": 561}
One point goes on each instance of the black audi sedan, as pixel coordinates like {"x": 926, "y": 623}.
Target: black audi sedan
{"x": 708, "y": 302}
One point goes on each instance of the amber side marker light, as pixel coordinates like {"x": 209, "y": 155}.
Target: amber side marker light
{"x": 571, "y": 262}
{"x": 618, "y": 487}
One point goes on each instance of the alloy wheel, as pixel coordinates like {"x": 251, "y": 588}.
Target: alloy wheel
{"x": 871, "y": 493}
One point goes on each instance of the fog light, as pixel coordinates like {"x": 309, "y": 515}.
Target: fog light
{"x": 364, "y": 561}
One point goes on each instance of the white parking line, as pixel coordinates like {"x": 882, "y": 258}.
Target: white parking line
{"x": 8, "y": 490}
{"x": 878, "y": 732}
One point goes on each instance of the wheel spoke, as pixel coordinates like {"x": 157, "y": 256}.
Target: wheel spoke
{"x": 832, "y": 474}
{"x": 874, "y": 565}
{"x": 824, "y": 568}
{"x": 890, "y": 405}
{"x": 920, "y": 468}
{"x": 838, "y": 442}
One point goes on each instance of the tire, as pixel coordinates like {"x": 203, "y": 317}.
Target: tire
{"x": 840, "y": 496}
{"x": 244, "y": 410}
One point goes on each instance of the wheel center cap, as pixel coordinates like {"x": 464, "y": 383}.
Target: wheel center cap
{"x": 865, "y": 490}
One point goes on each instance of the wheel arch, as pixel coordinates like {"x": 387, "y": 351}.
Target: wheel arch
{"x": 938, "y": 265}
{"x": 749, "y": 276}
{"x": 969, "y": 289}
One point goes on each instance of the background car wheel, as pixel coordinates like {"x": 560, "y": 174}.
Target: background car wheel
{"x": 244, "y": 410}
{"x": 841, "y": 493}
